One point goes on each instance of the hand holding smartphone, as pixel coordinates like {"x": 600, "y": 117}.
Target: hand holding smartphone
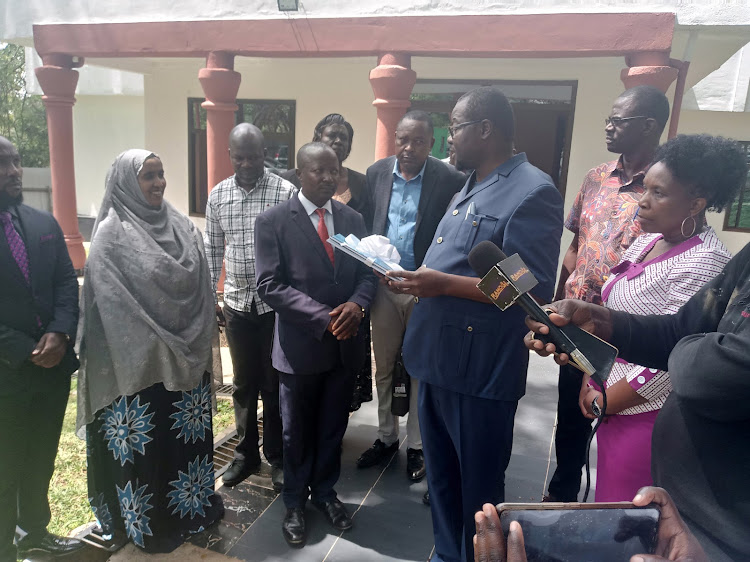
{"x": 583, "y": 532}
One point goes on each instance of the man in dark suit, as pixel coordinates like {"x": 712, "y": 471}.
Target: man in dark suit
{"x": 411, "y": 191}
{"x": 319, "y": 300}
{"x": 38, "y": 320}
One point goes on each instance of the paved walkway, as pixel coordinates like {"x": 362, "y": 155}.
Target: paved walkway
{"x": 390, "y": 521}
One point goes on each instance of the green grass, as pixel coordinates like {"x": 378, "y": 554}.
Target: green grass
{"x": 225, "y": 415}
{"x": 68, "y": 492}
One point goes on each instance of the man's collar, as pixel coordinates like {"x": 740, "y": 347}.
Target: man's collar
{"x": 397, "y": 172}
{"x": 311, "y": 207}
{"x": 618, "y": 168}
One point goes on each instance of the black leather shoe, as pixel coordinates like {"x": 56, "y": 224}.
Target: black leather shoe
{"x": 415, "y": 464}
{"x": 47, "y": 543}
{"x": 277, "y": 478}
{"x": 426, "y": 498}
{"x": 336, "y": 514}
{"x": 238, "y": 471}
{"x": 375, "y": 454}
{"x": 293, "y": 527}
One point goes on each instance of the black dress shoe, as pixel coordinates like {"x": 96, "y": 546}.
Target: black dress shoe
{"x": 238, "y": 471}
{"x": 415, "y": 464}
{"x": 375, "y": 454}
{"x": 426, "y": 498}
{"x": 293, "y": 526}
{"x": 336, "y": 513}
{"x": 47, "y": 543}
{"x": 277, "y": 478}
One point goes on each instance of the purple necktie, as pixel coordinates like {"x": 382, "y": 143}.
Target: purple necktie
{"x": 17, "y": 247}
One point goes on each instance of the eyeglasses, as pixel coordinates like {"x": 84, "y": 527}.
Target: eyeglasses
{"x": 452, "y": 129}
{"x": 615, "y": 121}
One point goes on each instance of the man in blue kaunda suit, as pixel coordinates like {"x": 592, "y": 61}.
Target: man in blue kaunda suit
{"x": 319, "y": 299}
{"x": 468, "y": 355}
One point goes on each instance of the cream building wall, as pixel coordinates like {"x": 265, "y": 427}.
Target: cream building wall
{"x": 106, "y": 125}
{"x": 103, "y": 127}
{"x": 322, "y": 86}
{"x": 733, "y": 125}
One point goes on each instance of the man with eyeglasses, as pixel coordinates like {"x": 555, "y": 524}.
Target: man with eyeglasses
{"x": 603, "y": 225}
{"x": 463, "y": 350}
{"x": 410, "y": 192}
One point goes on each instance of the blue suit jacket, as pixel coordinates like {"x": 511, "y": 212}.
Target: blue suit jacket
{"x": 296, "y": 278}
{"x": 471, "y": 347}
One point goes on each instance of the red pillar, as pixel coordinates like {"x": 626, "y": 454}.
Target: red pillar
{"x": 220, "y": 84}
{"x": 392, "y": 82}
{"x": 648, "y": 69}
{"x": 58, "y": 81}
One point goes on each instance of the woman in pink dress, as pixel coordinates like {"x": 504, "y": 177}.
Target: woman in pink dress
{"x": 677, "y": 254}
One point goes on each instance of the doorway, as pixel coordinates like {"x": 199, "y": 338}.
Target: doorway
{"x": 543, "y": 110}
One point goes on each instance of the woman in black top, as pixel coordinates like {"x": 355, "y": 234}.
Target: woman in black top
{"x": 701, "y": 440}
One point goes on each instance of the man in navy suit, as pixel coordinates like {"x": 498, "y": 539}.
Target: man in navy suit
{"x": 38, "y": 320}
{"x": 319, "y": 300}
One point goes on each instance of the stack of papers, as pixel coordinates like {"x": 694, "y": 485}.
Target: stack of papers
{"x": 350, "y": 245}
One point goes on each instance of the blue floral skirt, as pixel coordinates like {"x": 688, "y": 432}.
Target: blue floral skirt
{"x": 150, "y": 466}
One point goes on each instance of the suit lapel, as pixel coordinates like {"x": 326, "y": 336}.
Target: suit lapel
{"x": 301, "y": 218}
{"x": 383, "y": 194}
{"x": 429, "y": 181}
{"x": 7, "y": 257}
{"x": 31, "y": 235}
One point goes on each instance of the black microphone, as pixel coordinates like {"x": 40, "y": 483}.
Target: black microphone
{"x": 505, "y": 281}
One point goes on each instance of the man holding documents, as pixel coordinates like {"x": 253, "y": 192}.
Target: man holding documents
{"x": 469, "y": 356}
{"x": 411, "y": 191}
{"x": 320, "y": 298}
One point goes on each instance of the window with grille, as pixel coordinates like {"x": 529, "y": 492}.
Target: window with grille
{"x": 737, "y": 216}
{"x": 275, "y": 118}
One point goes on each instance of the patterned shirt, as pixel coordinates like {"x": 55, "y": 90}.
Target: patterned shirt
{"x": 230, "y": 235}
{"x": 603, "y": 216}
{"x": 659, "y": 286}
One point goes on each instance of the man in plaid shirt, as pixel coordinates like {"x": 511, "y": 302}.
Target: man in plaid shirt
{"x": 233, "y": 205}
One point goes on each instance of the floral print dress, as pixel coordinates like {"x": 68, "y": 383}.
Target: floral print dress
{"x": 150, "y": 466}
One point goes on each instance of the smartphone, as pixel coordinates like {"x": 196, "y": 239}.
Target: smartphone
{"x": 583, "y": 532}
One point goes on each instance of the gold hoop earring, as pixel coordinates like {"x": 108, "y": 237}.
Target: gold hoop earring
{"x": 682, "y": 227}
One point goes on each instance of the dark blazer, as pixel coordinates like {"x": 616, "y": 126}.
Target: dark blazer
{"x": 361, "y": 200}
{"x": 296, "y": 278}
{"x": 53, "y": 297}
{"x": 439, "y": 184}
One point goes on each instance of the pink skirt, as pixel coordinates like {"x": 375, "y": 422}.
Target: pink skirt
{"x": 623, "y": 462}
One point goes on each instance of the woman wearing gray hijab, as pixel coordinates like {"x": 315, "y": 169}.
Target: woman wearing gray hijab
{"x": 144, "y": 392}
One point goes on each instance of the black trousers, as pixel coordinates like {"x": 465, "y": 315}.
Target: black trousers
{"x": 570, "y": 439}
{"x": 30, "y": 425}
{"x": 250, "y": 337}
{"x": 315, "y": 409}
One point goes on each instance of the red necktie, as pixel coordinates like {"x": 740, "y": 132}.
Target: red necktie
{"x": 323, "y": 233}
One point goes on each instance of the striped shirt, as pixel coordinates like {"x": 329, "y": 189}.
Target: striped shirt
{"x": 659, "y": 286}
{"x": 230, "y": 235}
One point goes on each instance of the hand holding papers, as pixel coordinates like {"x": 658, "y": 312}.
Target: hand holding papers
{"x": 375, "y": 251}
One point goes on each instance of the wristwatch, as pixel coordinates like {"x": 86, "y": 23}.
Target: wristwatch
{"x": 364, "y": 312}
{"x": 595, "y": 408}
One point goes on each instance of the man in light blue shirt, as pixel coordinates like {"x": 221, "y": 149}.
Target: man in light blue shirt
{"x": 402, "y": 214}
{"x": 410, "y": 192}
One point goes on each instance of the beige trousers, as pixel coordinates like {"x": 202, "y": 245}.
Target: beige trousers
{"x": 390, "y": 314}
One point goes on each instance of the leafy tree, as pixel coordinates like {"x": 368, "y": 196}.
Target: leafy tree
{"x": 22, "y": 117}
